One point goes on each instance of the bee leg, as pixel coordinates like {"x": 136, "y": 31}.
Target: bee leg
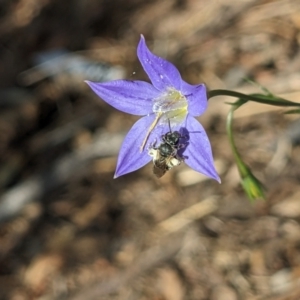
{"x": 181, "y": 158}
{"x": 154, "y": 153}
{"x": 173, "y": 162}
{"x": 180, "y": 146}
{"x": 152, "y": 146}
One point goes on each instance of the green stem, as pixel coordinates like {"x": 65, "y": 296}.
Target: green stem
{"x": 266, "y": 99}
{"x": 236, "y": 154}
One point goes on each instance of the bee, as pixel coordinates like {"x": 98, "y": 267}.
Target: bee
{"x": 165, "y": 155}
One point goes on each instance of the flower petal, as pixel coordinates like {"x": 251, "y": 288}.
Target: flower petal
{"x": 198, "y": 153}
{"x": 162, "y": 73}
{"x": 130, "y": 158}
{"x": 196, "y": 96}
{"x": 133, "y": 97}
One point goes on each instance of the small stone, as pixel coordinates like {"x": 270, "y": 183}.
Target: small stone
{"x": 281, "y": 282}
{"x": 257, "y": 263}
{"x": 213, "y": 226}
{"x": 170, "y": 285}
{"x": 289, "y": 208}
{"x": 225, "y": 260}
{"x": 239, "y": 282}
{"x": 223, "y": 292}
{"x": 290, "y": 230}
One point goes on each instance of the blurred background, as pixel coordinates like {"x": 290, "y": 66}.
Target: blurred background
{"x": 68, "y": 230}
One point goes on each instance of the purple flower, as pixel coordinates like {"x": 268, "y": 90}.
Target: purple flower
{"x": 168, "y": 101}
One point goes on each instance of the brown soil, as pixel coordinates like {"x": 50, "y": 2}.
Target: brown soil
{"x": 68, "y": 230}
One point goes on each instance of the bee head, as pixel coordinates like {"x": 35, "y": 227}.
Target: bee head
{"x": 172, "y": 138}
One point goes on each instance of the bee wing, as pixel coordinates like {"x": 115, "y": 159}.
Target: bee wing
{"x": 160, "y": 167}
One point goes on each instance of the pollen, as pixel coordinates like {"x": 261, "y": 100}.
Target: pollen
{"x": 171, "y": 106}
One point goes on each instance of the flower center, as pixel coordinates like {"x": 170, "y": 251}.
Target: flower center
{"x": 172, "y": 106}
